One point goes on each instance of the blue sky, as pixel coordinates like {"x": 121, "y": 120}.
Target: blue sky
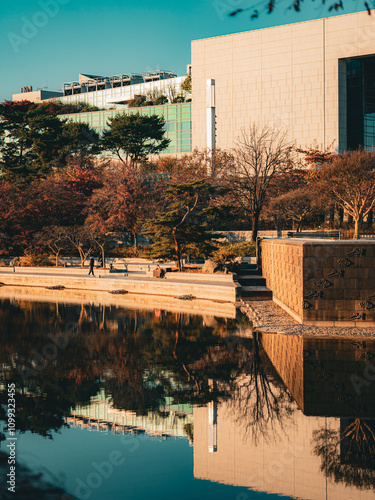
{"x": 45, "y": 43}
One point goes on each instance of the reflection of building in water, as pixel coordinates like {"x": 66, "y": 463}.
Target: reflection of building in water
{"x": 281, "y": 462}
{"x": 281, "y": 450}
{"x": 332, "y": 377}
{"x": 171, "y": 421}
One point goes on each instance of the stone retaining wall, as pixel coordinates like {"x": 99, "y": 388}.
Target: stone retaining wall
{"x": 323, "y": 283}
{"x": 223, "y": 291}
{"x": 282, "y": 266}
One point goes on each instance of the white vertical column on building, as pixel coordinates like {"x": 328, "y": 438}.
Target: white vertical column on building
{"x": 211, "y": 129}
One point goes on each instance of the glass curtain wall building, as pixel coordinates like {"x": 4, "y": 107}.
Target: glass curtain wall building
{"x": 177, "y": 122}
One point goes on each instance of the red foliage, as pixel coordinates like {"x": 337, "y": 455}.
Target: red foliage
{"x": 15, "y": 111}
{"x": 288, "y": 180}
{"x": 315, "y": 157}
{"x": 121, "y": 203}
{"x": 83, "y": 180}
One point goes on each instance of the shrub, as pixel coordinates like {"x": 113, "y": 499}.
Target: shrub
{"x": 35, "y": 260}
{"x": 162, "y": 99}
{"x": 179, "y": 98}
{"x": 63, "y": 108}
{"x": 368, "y": 230}
{"x": 229, "y": 251}
{"x": 137, "y": 102}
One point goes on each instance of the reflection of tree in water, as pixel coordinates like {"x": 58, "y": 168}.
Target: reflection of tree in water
{"x": 139, "y": 359}
{"x": 136, "y": 357}
{"x": 187, "y": 354}
{"x": 43, "y": 406}
{"x": 259, "y": 398}
{"x": 348, "y": 455}
{"x": 57, "y": 379}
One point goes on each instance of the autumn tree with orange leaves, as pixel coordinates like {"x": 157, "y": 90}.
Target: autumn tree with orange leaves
{"x": 350, "y": 181}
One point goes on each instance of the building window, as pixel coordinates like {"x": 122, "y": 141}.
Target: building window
{"x": 360, "y": 100}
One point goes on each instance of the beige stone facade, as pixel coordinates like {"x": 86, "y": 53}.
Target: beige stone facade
{"x": 292, "y": 76}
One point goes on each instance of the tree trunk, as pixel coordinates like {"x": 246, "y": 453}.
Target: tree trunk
{"x": 82, "y": 257}
{"x": 356, "y": 235}
{"x": 332, "y": 216}
{"x": 177, "y": 249}
{"x": 179, "y": 261}
{"x": 103, "y": 255}
{"x": 341, "y": 217}
{"x": 255, "y": 225}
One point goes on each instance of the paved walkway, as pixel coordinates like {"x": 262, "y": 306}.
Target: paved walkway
{"x": 268, "y": 317}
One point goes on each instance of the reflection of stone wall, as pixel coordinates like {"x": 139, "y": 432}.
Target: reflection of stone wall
{"x": 320, "y": 282}
{"x": 339, "y": 377}
{"x": 326, "y": 376}
{"x": 286, "y": 355}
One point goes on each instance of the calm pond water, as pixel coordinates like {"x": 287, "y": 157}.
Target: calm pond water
{"x": 115, "y": 403}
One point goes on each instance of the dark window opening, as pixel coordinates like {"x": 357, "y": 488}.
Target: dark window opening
{"x": 360, "y": 86}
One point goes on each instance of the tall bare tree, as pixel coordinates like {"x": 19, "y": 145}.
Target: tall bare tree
{"x": 79, "y": 237}
{"x": 259, "y": 155}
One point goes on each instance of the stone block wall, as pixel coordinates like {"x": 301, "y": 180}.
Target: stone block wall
{"x": 282, "y": 266}
{"x": 327, "y": 283}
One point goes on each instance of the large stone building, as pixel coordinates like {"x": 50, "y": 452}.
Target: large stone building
{"x": 315, "y": 79}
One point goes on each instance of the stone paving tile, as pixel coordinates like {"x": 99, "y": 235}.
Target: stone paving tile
{"x": 268, "y": 317}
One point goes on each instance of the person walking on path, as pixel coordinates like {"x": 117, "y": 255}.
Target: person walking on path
{"x": 92, "y": 262}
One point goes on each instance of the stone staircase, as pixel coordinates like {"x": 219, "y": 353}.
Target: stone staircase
{"x": 253, "y": 285}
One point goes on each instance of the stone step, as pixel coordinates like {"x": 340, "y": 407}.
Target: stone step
{"x": 248, "y": 272}
{"x": 256, "y": 293}
{"x": 256, "y": 298}
{"x": 246, "y": 266}
{"x": 247, "y": 280}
